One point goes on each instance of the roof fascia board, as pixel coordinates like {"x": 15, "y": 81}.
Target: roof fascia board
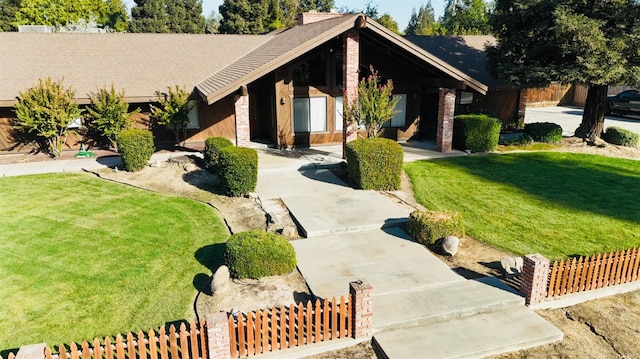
{"x": 428, "y": 57}
{"x": 279, "y": 61}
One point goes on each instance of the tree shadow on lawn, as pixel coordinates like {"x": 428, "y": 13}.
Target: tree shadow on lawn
{"x": 584, "y": 182}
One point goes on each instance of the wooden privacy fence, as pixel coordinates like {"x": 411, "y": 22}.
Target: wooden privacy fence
{"x": 187, "y": 343}
{"x": 588, "y": 273}
{"x": 267, "y": 330}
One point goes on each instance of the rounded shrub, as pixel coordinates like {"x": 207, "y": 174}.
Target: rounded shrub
{"x": 429, "y": 226}
{"x": 375, "y": 163}
{"x": 257, "y": 254}
{"x": 212, "y": 148}
{"x": 476, "y": 133}
{"x": 238, "y": 170}
{"x": 135, "y": 147}
{"x": 544, "y": 132}
{"x": 620, "y": 136}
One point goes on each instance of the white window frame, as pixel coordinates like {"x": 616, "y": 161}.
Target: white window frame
{"x": 339, "y": 112}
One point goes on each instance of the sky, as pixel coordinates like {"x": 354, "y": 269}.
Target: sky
{"x": 400, "y": 10}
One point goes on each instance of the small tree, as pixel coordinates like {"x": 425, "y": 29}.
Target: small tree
{"x": 173, "y": 110}
{"x": 109, "y": 113}
{"x": 46, "y": 110}
{"x": 375, "y": 104}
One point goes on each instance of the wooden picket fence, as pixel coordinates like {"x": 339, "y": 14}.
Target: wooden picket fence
{"x": 186, "y": 343}
{"x": 273, "y": 329}
{"x": 588, "y": 273}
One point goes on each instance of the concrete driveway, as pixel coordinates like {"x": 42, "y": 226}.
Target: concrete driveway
{"x": 570, "y": 117}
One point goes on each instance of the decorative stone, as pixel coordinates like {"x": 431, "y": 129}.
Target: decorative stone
{"x": 512, "y": 265}
{"x": 450, "y": 245}
{"x": 289, "y": 231}
{"x": 221, "y": 280}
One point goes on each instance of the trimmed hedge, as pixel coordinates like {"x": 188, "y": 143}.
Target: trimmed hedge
{"x": 238, "y": 170}
{"x": 429, "y": 226}
{"x": 135, "y": 147}
{"x": 256, "y": 254}
{"x": 477, "y": 133}
{"x": 544, "y": 132}
{"x": 620, "y": 136}
{"x": 212, "y": 148}
{"x": 375, "y": 163}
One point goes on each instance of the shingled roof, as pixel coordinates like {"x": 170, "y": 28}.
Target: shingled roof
{"x": 140, "y": 63}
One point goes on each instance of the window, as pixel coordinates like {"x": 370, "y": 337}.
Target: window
{"x": 466, "y": 98}
{"x": 311, "y": 73}
{"x": 310, "y": 114}
{"x": 194, "y": 116}
{"x": 339, "y": 110}
{"x": 398, "y": 120}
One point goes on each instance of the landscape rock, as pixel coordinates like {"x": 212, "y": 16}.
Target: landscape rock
{"x": 450, "y": 245}
{"x": 289, "y": 232}
{"x": 511, "y": 265}
{"x": 221, "y": 280}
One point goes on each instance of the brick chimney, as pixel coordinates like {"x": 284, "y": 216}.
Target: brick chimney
{"x": 315, "y": 16}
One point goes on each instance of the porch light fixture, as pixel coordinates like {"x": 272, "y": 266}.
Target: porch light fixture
{"x": 282, "y": 101}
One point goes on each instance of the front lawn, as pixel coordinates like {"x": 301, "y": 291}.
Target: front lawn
{"x": 84, "y": 258}
{"x": 553, "y": 203}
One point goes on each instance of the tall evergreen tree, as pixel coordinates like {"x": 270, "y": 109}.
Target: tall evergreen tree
{"x": 244, "y": 16}
{"x": 594, "y": 43}
{"x": 423, "y": 21}
{"x": 167, "y": 16}
{"x": 8, "y": 10}
{"x": 149, "y": 16}
{"x": 387, "y": 21}
{"x": 466, "y": 17}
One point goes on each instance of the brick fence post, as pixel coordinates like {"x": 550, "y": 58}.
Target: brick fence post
{"x": 446, "y": 113}
{"x": 535, "y": 277}
{"x": 218, "y": 336}
{"x": 33, "y": 351}
{"x": 362, "y": 309}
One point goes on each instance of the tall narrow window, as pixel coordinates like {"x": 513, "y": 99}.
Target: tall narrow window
{"x": 310, "y": 114}
{"x": 398, "y": 120}
{"x": 339, "y": 111}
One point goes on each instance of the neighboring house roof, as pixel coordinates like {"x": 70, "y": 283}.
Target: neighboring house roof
{"x": 140, "y": 63}
{"x": 465, "y": 53}
{"x": 293, "y": 42}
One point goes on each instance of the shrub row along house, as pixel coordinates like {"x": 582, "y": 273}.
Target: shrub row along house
{"x": 286, "y": 88}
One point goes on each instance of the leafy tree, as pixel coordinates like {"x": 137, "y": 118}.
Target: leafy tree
{"x": 111, "y": 13}
{"x": 46, "y": 110}
{"x": 109, "y": 113}
{"x": 423, "y": 21}
{"x": 173, "y": 110}
{"x": 167, "y": 16}
{"x": 8, "y": 10}
{"x": 212, "y": 23}
{"x": 244, "y": 16}
{"x": 595, "y": 43}
{"x": 375, "y": 104}
{"x": 387, "y": 21}
{"x": 466, "y": 17}
{"x": 319, "y": 5}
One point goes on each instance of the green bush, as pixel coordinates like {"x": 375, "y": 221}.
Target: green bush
{"x": 238, "y": 167}
{"x": 620, "y": 136}
{"x": 256, "y": 254}
{"x": 544, "y": 132}
{"x": 477, "y": 133}
{"x": 375, "y": 163}
{"x": 135, "y": 147}
{"x": 429, "y": 226}
{"x": 212, "y": 148}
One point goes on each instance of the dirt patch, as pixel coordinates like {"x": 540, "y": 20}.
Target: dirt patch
{"x": 361, "y": 351}
{"x": 575, "y": 144}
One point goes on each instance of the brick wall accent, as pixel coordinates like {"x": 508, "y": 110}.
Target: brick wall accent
{"x": 350, "y": 79}
{"x": 446, "y": 112}
{"x": 243, "y": 132}
{"x": 362, "y": 313}
{"x": 535, "y": 275}
{"x": 218, "y": 336}
{"x": 315, "y": 16}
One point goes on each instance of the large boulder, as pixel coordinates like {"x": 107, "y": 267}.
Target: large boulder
{"x": 221, "y": 279}
{"x": 450, "y": 245}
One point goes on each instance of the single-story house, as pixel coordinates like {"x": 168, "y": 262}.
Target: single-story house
{"x": 286, "y": 88}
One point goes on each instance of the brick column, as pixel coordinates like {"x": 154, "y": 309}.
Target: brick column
{"x": 218, "y": 336}
{"x": 446, "y": 112}
{"x": 535, "y": 277}
{"x": 362, "y": 309}
{"x": 350, "y": 79}
{"x": 33, "y": 351}
{"x": 243, "y": 133}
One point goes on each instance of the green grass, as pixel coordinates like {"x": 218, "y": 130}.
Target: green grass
{"x": 556, "y": 204}
{"x": 536, "y": 146}
{"x": 84, "y": 258}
